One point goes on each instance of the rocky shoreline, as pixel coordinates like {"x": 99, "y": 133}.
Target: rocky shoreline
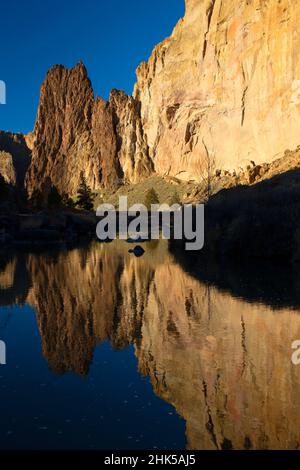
{"x": 46, "y": 227}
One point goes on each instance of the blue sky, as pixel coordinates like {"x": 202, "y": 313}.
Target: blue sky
{"x": 111, "y": 37}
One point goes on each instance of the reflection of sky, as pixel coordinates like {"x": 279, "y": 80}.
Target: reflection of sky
{"x": 114, "y": 407}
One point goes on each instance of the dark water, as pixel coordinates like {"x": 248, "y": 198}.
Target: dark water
{"x": 109, "y": 351}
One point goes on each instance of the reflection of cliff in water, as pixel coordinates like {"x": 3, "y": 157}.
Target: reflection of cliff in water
{"x": 223, "y": 363}
{"x": 14, "y": 279}
{"x": 85, "y": 296}
{"x": 263, "y": 282}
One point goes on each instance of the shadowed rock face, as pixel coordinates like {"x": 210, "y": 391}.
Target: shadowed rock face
{"x": 75, "y": 133}
{"x": 224, "y": 83}
{"x": 222, "y": 362}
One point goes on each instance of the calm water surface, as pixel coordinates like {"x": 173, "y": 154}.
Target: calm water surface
{"x": 109, "y": 351}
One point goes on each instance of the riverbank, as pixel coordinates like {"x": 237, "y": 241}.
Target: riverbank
{"x": 46, "y": 226}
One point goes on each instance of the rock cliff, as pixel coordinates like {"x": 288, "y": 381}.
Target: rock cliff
{"x": 221, "y": 93}
{"x": 7, "y": 169}
{"x": 75, "y": 133}
{"x": 224, "y": 84}
{"x": 15, "y": 157}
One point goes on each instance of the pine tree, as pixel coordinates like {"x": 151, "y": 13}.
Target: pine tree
{"x": 36, "y": 200}
{"x": 67, "y": 201}
{"x": 84, "y": 198}
{"x": 175, "y": 199}
{"x": 207, "y": 170}
{"x": 54, "y": 198}
{"x": 3, "y": 189}
{"x": 151, "y": 198}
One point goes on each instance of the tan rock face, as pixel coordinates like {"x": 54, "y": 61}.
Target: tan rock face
{"x": 225, "y": 82}
{"x": 105, "y": 170}
{"x": 14, "y": 157}
{"x": 133, "y": 152}
{"x": 62, "y": 146}
{"x": 7, "y": 170}
{"x": 75, "y": 133}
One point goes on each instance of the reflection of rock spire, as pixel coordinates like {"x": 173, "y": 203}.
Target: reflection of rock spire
{"x": 229, "y": 398}
{"x": 85, "y": 296}
{"x": 220, "y": 361}
{"x": 14, "y": 279}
